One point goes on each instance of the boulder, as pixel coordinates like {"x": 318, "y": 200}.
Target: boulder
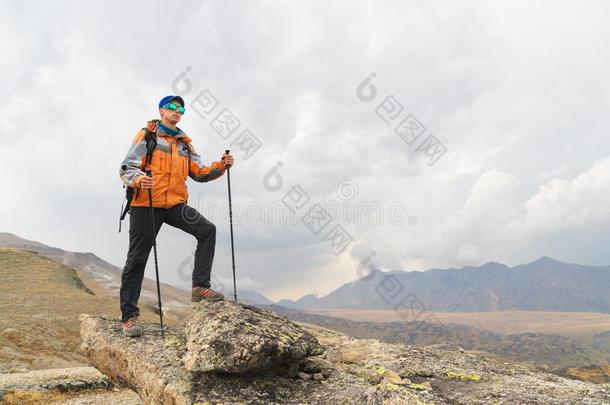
{"x": 154, "y": 368}
{"x": 229, "y": 337}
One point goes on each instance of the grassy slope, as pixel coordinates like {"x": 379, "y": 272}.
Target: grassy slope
{"x": 104, "y": 278}
{"x": 40, "y": 301}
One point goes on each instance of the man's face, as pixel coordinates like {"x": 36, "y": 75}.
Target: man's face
{"x": 172, "y": 116}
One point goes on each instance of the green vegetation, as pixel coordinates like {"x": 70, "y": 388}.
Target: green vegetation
{"x": 420, "y": 387}
{"x": 462, "y": 376}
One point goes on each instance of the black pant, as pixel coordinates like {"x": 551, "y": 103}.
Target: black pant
{"x": 180, "y": 216}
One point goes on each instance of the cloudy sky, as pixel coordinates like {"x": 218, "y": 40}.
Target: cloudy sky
{"x": 512, "y": 160}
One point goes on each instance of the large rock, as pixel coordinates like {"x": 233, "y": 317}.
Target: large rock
{"x": 236, "y": 338}
{"x": 154, "y": 368}
{"x": 149, "y": 365}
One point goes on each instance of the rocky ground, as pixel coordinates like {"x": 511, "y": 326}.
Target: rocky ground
{"x": 345, "y": 370}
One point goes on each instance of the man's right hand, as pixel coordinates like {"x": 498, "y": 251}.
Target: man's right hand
{"x": 146, "y": 182}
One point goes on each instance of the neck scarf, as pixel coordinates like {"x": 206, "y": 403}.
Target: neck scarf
{"x": 169, "y": 131}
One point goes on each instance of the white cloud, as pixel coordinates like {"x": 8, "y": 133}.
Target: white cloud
{"x": 561, "y": 203}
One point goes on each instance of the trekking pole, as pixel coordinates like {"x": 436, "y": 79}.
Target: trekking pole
{"x": 231, "y": 225}
{"x": 152, "y": 221}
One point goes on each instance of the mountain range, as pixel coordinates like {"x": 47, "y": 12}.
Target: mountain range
{"x": 542, "y": 285}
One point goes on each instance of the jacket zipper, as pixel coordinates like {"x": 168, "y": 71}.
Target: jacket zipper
{"x": 171, "y": 163}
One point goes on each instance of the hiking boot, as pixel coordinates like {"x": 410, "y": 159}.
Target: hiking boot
{"x": 206, "y": 294}
{"x": 132, "y": 327}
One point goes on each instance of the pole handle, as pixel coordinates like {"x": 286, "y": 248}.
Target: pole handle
{"x": 223, "y": 159}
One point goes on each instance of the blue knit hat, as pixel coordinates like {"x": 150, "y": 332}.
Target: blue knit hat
{"x": 168, "y": 99}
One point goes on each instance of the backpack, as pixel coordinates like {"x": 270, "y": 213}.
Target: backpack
{"x": 151, "y": 144}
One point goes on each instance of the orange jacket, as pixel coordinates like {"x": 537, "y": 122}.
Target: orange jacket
{"x": 169, "y": 166}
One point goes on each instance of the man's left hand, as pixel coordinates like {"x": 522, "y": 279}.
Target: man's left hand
{"x": 228, "y": 160}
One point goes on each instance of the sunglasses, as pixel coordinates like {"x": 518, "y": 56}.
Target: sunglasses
{"x": 174, "y": 107}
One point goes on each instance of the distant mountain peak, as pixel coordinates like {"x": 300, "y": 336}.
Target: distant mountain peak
{"x": 546, "y": 259}
{"x": 492, "y": 263}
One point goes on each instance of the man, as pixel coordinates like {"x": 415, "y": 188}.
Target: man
{"x": 173, "y": 160}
